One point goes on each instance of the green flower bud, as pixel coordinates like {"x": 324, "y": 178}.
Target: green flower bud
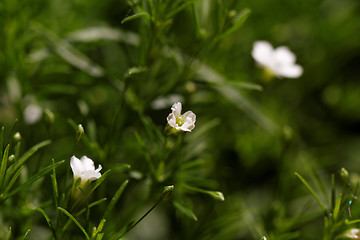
{"x": 167, "y": 191}
{"x": 17, "y": 137}
{"x": 79, "y": 132}
{"x": 344, "y": 174}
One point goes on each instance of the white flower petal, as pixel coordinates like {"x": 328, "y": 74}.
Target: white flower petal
{"x": 176, "y": 109}
{"x": 91, "y": 175}
{"x": 76, "y": 166}
{"x": 291, "y": 71}
{"x": 187, "y": 126}
{"x": 171, "y": 120}
{"x": 262, "y": 52}
{"x": 189, "y": 115}
{"x": 284, "y": 55}
{"x": 87, "y": 163}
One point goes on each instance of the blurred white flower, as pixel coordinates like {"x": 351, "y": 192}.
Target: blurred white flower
{"x": 353, "y": 233}
{"x": 279, "y": 61}
{"x": 185, "y": 122}
{"x": 32, "y": 113}
{"x": 165, "y": 102}
{"x": 84, "y": 168}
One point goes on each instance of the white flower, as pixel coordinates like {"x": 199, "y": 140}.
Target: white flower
{"x": 280, "y": 61}
{"x": 32, "y": 113}
{"x": 353, "y": 233}
{"x": 84, "y": 168}
{"x": 185, "y": 122}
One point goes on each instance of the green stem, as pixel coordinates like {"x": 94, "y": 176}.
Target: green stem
{"x": 140, "y": 219}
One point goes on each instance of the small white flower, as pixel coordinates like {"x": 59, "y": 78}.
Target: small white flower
{"x": 84, "y": 168}
{"x": 185, "y": 122}
{"x": 353, "y": 233}
{"x": 32, "y": 113}
{"x": 280, "y": 61}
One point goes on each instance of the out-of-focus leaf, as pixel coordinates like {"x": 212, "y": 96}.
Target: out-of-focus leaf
{"x": 238, "y": 21}
{"x": 185, "y": 210}
{"x": 104, "y": 33}
{"x": 235, "y": 97}
{"x": 115, "y": 199}
{"x": 8, "y": 234}
{"x": 37, "y": 176}
{"x": 67, "y": 52}
{"x": 4, "y": 165}
{"x": 26, "y": 236}
{"x": 215, "y": 194}
{"x": 13, "y": 180}
{"x": 21, "y": 161}
{"x": 136, "y": 16}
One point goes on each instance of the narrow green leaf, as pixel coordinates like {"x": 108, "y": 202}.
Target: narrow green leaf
{"x": 337, "y": 207}
{"x": 2, "y": 140}
{"x": 352, "y": 221}
{"x": 97, "y": 184}
{"x": 215, "y": 194}
{"x": 13, "y": 180}
{"x": 99, "y": 236}
{"x": 100, "y": 180}
{"x": 69, "y": 53}
{"x": 136, "y": 16}
{"x": 220, "y": 83}
{"x": 98, "y": 229}
{"x": 237, "y": 23}
{"x": 312, "y": 193}
{"x": 75, "y": 221}
{"x": 333, "y": 193}
{"x": 26, "y": 156}
{"x": 179, "y": 8}
{"x": 4, "y": 165}
{"x": 247, "y": 85}
{"x": 48, "y": 221}
{"x": 185, "y": 210}
{"x": 83, "y": 210}
{"x": 115, "y": 199}
{"x": 26, "y": 236}
{"x": 37, "y": 176}
{"x": 54, "y": 185}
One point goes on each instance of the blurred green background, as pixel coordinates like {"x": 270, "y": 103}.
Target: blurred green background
{"x": 77, "y": 59}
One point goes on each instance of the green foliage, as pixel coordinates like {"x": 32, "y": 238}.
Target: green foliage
{"x": 98, "y": 79}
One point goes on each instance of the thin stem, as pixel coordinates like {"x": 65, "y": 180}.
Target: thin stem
{"x": 312, "y": 193}
{"x": 140, "y": 219}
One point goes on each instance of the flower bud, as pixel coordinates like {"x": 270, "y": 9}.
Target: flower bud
{"x": 79, "y": 132}
{"x": 167, "y": 191}
{"x": 17, "y": 137}
{"x": 344, "y": 174}
{"x": 11, "y": 158}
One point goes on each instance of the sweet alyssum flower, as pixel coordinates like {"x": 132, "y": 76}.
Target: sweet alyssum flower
{"x": 178, "y": 122}
{"x": 84, "y": 169}
{"x": 279, "y": 62}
